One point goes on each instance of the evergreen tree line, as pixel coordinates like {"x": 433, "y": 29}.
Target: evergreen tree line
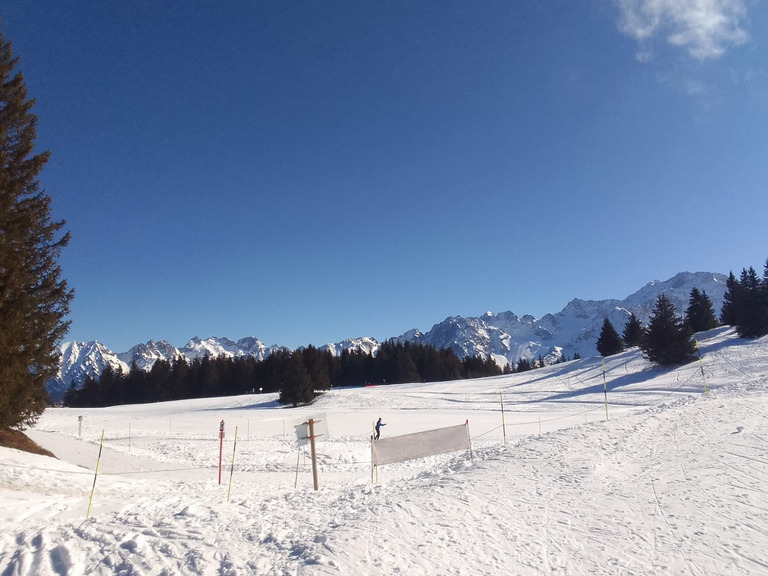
{"x": 524, "y": 365}
{"x": 296, "y": 375}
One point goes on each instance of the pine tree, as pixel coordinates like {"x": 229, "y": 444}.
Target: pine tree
{"x": 72, "y": 396}
{"x": 180, "y": 377}
{"x": 668, "y": 338}
{"x": 296, "y": 385}
{"x": 317, "y": 362}
{"x": 450, "y": 365}
{"x": 765, "y": 275}
{"x": 406, "y": 369}
{"x": 160, "y": 375}
{"x": 751, "y": 306}
{"x": 609, "y": 342}
{"x": 700, "y": 314}
{"x": 633, "y": 331}
{"x": 730, "y": 301}
{"x": 764, "y": 297}
{"x": 34, "y": 299}
{"x": 762, "y": 312}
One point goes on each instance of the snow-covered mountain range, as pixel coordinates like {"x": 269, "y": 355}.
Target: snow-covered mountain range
{"x": 574, "y": 329}
{"x": 505, "y": 336}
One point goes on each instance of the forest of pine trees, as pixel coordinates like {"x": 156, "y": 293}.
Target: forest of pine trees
{"x": 295, "y": 375}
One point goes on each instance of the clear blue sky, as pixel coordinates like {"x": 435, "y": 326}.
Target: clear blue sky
{"x": 305, "y": 172}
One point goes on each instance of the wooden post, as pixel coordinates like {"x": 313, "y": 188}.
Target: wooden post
{"x": 503, "y": 425}
{"x": 701, "y": 365}
{"x": 314, "y": 454}
{"x": 101, "y": 445}
{"x": 232, "y": 470}
{"x": 298, "y": 459}
{"x": 605, "y": 392}
{"x": 221, "y": 446}
{"x": 469, "y": 442}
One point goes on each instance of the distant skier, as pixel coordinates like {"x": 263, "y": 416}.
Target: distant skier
{"x": 379, "y": 424}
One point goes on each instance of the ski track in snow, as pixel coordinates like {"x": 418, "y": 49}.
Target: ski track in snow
{"x": 673, "y": 482}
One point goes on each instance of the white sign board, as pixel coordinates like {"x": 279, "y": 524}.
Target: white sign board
{"x": 320, "y": 424}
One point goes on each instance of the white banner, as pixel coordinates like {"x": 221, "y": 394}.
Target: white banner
{"x": 419, "y": 445}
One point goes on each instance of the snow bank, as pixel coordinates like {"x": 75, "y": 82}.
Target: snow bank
{"x": 672, "y": 482}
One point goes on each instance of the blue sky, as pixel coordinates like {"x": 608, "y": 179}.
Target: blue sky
{"x": 305, "y": 172}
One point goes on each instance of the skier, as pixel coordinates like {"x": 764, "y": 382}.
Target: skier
{"x": 379, "y": 424}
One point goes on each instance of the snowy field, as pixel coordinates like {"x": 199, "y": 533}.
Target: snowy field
{"x": 672, "y": 482}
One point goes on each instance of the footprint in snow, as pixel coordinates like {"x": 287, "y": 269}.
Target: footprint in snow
{"x": 738, "y": 429}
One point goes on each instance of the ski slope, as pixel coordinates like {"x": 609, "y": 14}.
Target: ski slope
{"x": 673, "y": 481}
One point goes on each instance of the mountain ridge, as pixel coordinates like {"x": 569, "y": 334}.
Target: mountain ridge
{"x": 505, "y": 337}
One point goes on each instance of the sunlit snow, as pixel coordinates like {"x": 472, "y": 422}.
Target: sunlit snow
{"x": 672, "y": 481}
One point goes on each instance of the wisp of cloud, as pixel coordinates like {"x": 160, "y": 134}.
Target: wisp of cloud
{"x": 704, "y": 27}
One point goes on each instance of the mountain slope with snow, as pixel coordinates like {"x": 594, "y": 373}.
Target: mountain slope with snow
{"x": 364, "y": 344}
{"x": 215, "y": 347}
{"x": 80, "y": 360}
{"x": 144, "y": 356}
{"x": 573, "y": 330}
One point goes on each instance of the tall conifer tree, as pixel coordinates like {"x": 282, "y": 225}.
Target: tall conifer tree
{"x": 633, "y": 331}
{"x": 609, "y": 342}
{"x": 34, "y": 299}
{"x": 668, "y": 338}
{"x": 700, "y": 313}
{"x": 296, "y": 386}
{"x": 764, "y": 299}
{"x": 752, "y": 306}
{"x": 730, "y": 301}
{"x": 765, "y": 275}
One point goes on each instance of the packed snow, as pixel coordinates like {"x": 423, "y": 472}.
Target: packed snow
{"x": 669, "y": 476}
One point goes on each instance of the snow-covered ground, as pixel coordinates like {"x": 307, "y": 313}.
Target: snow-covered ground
{"x": 672, "y": 482}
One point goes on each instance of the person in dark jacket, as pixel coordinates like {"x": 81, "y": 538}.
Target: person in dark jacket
{"x": 379, "y": 424}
